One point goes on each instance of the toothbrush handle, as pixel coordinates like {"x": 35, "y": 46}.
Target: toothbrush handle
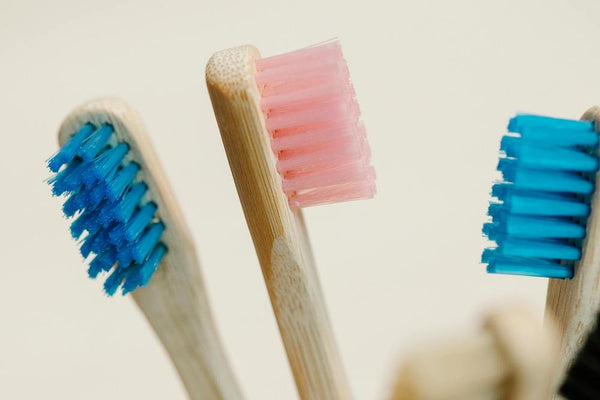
{"x": 574, "y": 303}
{"x": 175, "y": 301}
{"x": 278, "y": 233}
{"x": 176, "y": 306}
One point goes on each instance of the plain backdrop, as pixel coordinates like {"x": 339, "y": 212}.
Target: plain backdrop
{"x": 436, "y": 80}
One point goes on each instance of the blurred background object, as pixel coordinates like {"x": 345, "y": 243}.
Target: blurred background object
{"x": 512, "y": 358}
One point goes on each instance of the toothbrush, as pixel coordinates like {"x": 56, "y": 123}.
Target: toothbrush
{"x": 119, "y": 194}
{"x": 290, "y": 127}
{"x": 583, "y": 378}
{"x": 512, "y": 358}
{"x": 547, "y": 222}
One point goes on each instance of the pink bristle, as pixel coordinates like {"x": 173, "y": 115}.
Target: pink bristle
{"x": 325, "y": 177}
{"x": 333, "y": 194}
{"x": 313, "y": 118}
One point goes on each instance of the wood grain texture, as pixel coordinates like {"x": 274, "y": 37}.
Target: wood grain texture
{"x": 175, "y": 301}
{"x": 512, "y": 358}
{"x": 279, "y": 234}
{"x": 575, "y": 302}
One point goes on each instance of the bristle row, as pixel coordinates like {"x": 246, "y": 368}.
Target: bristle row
{"x": 313, "y": 118}
{"x": 109, "y": 203}
{"x": 540, "y": 208}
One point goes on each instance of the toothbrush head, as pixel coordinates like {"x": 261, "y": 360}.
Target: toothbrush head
{"x": 106, "y": 193}
{"x": 540, "y": 208}
{"x": 313, "y": 119}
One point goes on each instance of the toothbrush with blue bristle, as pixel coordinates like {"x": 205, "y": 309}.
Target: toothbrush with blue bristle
{"x": 128, "y": 224}
{"x": 544, "y": 217}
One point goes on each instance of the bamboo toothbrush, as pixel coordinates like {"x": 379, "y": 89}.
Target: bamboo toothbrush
{"x": 291, "y": 132}
{"x": 512, "y": 358}
{"x": 545, "y": 219}
{"x": 116, "y": 185}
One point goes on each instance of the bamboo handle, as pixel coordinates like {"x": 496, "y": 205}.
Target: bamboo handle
{"x": 513, "y": 358}
{"x": 176, "y": 306}
{"x": 574, "y": 303}
{"x": 279, "y": 234}
{"x": 175, "y": 301}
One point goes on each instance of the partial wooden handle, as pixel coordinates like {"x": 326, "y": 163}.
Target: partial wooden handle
{"x": 176, "y": 306}
{"x": 175, "y": 301}
{"x": 512, "y": 359}
{"x": 574, "y": 303}
{"x": 278, "y": 233}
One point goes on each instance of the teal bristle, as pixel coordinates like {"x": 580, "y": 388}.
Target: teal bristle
{"x": 539, "y": 210}
{"x": 146, "y": 243}
{"x": 143, "y": 274}
{"x": 69, "y": 149}
{"x": 121, "y": 180}
{"x": 92, "y": 146}
{"x": 123, "y": 210}
{"x": 108, "y": 201}
{"x": 138, "y": 222}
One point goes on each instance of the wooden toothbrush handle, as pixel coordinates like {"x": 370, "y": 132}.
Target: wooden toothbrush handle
{"x": 278, "y": 233}
{"x": 303, "y": 321}
{"x": 176, "y": 306}
{"x": 175, "y": 301}
{"x": 575, "y": 302}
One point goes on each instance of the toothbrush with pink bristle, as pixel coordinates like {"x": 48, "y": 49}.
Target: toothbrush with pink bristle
{"x": 291, "y": 129}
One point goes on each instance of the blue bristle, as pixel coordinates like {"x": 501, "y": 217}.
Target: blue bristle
{"x": 116, "y": 235}
{"x": 75, "y": 202}
{"x": 539, "y": 215}
{"x": 88, "y": 244}
{"x": 544, "y": 181}
{"x": 106, "y": 163}
{"x": 529, "y": 267}
{"x": 105, "y": 212}
{"x": 78, "y": 225}
{"x": 146, "y": 243}
{"x": 67, "y": 179}
{"x": 94, "y": 194}
{"x": 540, "y": 204}
{"x": 121, "y": 180}
{"x": 543, "y": 249}
{"x": 124, "y": 209}
{"x": 68, "y": 151}
{"x": 115, "y": 279}
{"x": 512, "y": 225}
{"x": 522, "y": 121}
{"x": 125, "y": 255}
{"x": 559, "y": 137}
{"x": 100, "y": 242}
{"x": 137, "y": 223}
{"x": 90, "y": 148}
{"x": 102, "y": 262}
{"x": 94, "y": 269}
{"x": 547, "y": 157}
{"x": 144, "y": 273}
{"x": 93, "y": 223}
{"x": 107, "y": 196}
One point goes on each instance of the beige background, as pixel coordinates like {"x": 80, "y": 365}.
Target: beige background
{"x": 436, "y": 80}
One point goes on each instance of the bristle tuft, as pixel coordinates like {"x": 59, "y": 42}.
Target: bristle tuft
{"x": 313, "y": 118}
{"x": 540, "y": 209}
{"x": 106, "y": 200}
